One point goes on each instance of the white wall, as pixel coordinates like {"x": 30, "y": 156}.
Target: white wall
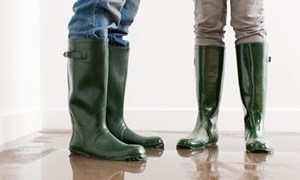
{"x": 19, "y": 69}
{"x": 53, "y": 30}
{"x": 161, "y": 91}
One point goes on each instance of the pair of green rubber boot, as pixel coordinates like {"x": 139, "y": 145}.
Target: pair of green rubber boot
{"x": 96, "y": 80}
{"x": 252, "y": 62}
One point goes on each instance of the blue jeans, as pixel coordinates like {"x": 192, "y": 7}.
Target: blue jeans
{"x": 103, "y": 19}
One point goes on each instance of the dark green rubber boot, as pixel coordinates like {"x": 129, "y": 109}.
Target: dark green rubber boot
{"x": 87, "y": 78}
{"x": 252, "y": 62}
{"x": 118, "y": 65}
{"x": 209, "y": 62}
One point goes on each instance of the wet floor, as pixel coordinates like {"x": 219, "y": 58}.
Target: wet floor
{"x": 44, "y": 156}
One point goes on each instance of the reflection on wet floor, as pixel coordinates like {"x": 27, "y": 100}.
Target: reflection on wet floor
{"x": 44, "y": 155}
{"x": 88, "y": 168}
{"x": 205, "y": 160}
{"x": 209, "y": 167}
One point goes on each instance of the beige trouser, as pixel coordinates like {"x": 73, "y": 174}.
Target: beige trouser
{"x": 247, "y": 21}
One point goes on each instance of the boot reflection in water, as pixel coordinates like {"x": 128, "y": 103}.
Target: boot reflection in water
{"x": 205, "y": 159}
{"x": 255, "y": 164}
{"x": 96, "y": 169}
{"x": 154, "y": 152}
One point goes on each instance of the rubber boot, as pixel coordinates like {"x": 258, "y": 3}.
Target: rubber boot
{"x": 209, "y": 62}
{"x": 252, "y": 62}
{"x": 87, "y": 78}
{"x": 118, "y": 65}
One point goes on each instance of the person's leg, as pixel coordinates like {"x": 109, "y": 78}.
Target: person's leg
{"x": 128, "y": 13}
{"x": 210, "y": 19}
{"x": 87, "y": 82}
{"x": 247, "y": 20}
{"x": 93, "y": 18}
{"x": 252, "y": 58}
{"x": 118, "y": 67}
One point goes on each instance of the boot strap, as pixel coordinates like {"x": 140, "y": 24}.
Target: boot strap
{"x": 75, "y": 55}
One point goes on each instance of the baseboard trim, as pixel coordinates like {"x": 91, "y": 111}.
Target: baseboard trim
{"x": 16, "y": 125}
{"x": 183, "y": 120}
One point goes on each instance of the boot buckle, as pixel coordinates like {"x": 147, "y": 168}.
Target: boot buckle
{"x": 75, "y": 55}
{"x": 67, "y": 54}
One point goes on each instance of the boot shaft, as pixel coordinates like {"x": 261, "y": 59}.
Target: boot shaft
{"x": 87, "y": 80}
{"x": 88, "y": 74}
{"x": 209, "y": 61}
{"x": 118, "y": 67}
{"x": 252, "y": 62}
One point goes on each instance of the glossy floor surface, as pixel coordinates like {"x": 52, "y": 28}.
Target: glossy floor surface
{"x": 44, "y": 155}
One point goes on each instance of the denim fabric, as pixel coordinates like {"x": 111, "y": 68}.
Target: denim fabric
{"x": 247, "y": 21}
{"x": 128, "y": 12}
{"x": 103, "y": 19}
